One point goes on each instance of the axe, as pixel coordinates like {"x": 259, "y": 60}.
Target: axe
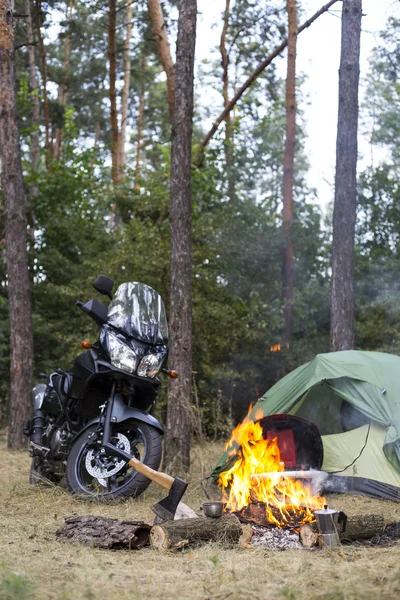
{"x": 166, "y": 508}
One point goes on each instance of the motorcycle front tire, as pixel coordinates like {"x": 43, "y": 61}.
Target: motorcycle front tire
{"x": 135, "y": 485}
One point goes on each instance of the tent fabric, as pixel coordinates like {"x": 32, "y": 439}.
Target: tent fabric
{"x": 360, "y": 485}
{"x": 341, "y": 450}
{"x": 367, "y": 383}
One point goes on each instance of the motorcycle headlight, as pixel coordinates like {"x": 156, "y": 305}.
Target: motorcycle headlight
{"x": 150, "y": 365}
{"x": 121, "y": 355}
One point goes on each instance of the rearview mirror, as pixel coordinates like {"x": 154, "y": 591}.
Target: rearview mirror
{"x": 104, "y": 285}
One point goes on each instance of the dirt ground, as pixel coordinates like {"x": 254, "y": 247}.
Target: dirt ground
{"x": 35, "y": 565}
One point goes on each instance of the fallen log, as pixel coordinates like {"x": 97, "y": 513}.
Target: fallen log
{"x": 358, "y": 527}
{"x": 362, "y": 527}
{"x": 102, "y": 532}
{"x": 173, "y": 535}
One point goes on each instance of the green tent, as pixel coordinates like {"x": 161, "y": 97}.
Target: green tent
{"x": 353, "y": 398}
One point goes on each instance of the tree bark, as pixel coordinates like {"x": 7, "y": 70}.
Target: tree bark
{"x": 140, "y": 122}
{"x": 102, "y": 532}
{"x": 164, "y": 51}
{"x": 112, "y": 20}
{"x": 19, "y": 300}
{"x": 63, "y": 87}
{"x": 34, "y": 88}
{"x": 173, "y": 535}
{"x": 288, "y": 173}
{"x": 42, "y": 48}
{"x": 344, "y": 212}
{"x": 252, "y": 77}
{"x": 177, "y": 443}
{"x": 125, "y": 92}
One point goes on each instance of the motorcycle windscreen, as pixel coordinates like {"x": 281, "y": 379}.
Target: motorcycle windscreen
{"x": 138, "y": 311}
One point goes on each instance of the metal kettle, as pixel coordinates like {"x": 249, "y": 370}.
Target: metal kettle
{"x": 330, "y": 523}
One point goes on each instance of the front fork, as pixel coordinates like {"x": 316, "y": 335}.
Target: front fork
{"x": 108, "y": 418}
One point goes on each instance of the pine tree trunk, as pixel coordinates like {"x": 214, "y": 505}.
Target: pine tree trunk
{"x": 42, "y": 49}
{"x": 21, "y": 343}
{"x": 228, "y": 145}
{"x": 225, "y": 84}
{"x": 177, "y": 443}
{"x": 63, "y": 87}
{"x": 125, "y": 92}
{"x": 112, "y": 20}
{"x": 140, "y": 122}
{"x": 344, "y": 213}
{"x": 288, "y": 173}
{"x": 34, "y": 87}
{"x": 164, "y": 51}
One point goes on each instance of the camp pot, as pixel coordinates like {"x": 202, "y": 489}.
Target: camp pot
{"x": 213, "y": 509}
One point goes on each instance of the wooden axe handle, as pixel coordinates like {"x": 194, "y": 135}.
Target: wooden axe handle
{"x": 161, "y": 478}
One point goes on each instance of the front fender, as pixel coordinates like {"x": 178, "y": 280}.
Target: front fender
{"x": 121, "y": 413}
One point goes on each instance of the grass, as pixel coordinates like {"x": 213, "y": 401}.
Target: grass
{"x": 35, "y": 566}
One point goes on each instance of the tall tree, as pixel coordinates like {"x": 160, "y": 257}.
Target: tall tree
{"x": 225, "y": 84}
{"x": 252, "y": 78}
{"x": 164, "y": 51}
{"x": 34, "y": 88}
{"x": 125, "y": 91}
{"x": 112, "y": 61}
{"x": 288, "y": 172}
{"x": 345, "y": 205}
{"x": 140, "y": 120}
{"x": 63, "y": 86}
{"x": 42, "y": 49}
{"x": 177, "y": 443}
{"x": 21, "y": 342}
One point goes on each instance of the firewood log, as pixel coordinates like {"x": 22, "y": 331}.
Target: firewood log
{"x": 177, "y": 534}
{"x": 358, "y": 527}
{"x": 363, "y": 527}
{"x": 309, "y": 535}
{"x": 103, "y": 532}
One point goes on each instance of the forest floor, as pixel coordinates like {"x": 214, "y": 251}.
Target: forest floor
{"x": 34, "y": 565}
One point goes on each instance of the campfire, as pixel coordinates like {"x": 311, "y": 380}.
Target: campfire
{"x": 258, "y": 489}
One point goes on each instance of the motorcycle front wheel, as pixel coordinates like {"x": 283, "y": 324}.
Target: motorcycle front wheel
{"x": 93, "y": 474}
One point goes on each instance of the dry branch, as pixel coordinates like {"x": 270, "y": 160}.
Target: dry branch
{"x": 263, "y": 65}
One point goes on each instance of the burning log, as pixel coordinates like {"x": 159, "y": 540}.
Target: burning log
{"x": 288, "y": 517}
{"x": 173, "y": 535}
{"x": 358, "y": 527}
{"x": 103, "y": 532}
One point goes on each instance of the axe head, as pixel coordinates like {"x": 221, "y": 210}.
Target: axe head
{"x": 166, "y": 508}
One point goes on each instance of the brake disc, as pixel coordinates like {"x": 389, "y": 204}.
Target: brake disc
{"x": 102, "y": 473}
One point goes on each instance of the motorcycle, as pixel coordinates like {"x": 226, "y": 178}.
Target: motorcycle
{"x": 107, "y": 398}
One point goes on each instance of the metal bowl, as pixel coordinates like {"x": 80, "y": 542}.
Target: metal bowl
{"x": 213, "y": 509}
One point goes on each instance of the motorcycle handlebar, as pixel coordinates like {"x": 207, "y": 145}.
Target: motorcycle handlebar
{"x": 79, "y": 303}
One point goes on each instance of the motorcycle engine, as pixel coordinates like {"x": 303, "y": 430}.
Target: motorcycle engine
{"x": 59, "y": 444}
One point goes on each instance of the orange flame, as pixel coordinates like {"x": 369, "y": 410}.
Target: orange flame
{"x": 275, "y": 348}
{"x": 283, "y": 496}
